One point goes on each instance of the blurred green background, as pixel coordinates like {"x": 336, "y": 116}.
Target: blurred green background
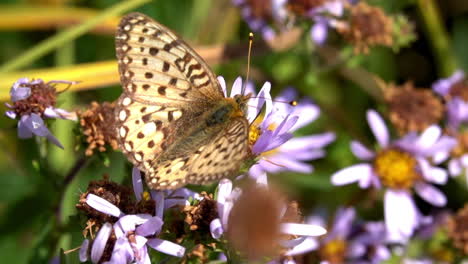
{"x": 30, "y": 195}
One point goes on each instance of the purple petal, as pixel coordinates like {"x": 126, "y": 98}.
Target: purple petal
{"x": 103, "y": 205}
{"x": 236, "y": 87}
{"x": 432, "y": 174}
{"x": 309, "y": 142}
{"x": 443, "y": 86}
{"x": 23, "y": 130}
{"x": 52, "y": 112}
{"x": 128, "y": 223}
{"x": 262, "y": 142}
{"x": 10, "y": 114}
{"x": 100, "y": 242}
{"x": 401, "y": 215}
{"x": 137, "y": 183}
{"x": 281, "y": 162}
{"x": 302, "y": 229}
{"x": 378, "y": 127}
{"x": 35, "y": 124}
{"x": 160, "y": 203}
{"x": 343, "y": 222}
{"x": 84, "y": 250}
{"x": 351, "y": 174}
{"x": 150, "y": 227}
{"x": 167, "y": 247}
{"x": 455, "y": 167}
{"x": 285, "y": 125}
{"x": 319, "y": 32}
{"x": 222, "y": 83}
{"x": 430, "y": 194}
{"x": 122, "y": 252}
{"x": 216, "y": 228}
{"x": 307, "y": 113}
{"x": 360, "y": 151}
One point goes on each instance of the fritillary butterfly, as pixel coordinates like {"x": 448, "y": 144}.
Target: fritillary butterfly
{"x": 173, "y": 120}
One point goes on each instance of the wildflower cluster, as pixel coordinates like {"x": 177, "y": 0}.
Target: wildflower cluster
{"x": 356, "y": 22}
{"x": 376, "y": 175}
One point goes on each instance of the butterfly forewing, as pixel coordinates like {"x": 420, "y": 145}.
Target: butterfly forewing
{"x": 168, "y": 89}
{"x": 158, "y": 66}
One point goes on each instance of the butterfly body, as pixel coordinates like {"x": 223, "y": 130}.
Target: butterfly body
{"x": 173, "y": 120}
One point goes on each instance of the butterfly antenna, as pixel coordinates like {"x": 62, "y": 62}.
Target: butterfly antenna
{"x": 251, "y": 35}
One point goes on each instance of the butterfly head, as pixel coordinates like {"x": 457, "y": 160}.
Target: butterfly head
{"x": 241, "y": 101}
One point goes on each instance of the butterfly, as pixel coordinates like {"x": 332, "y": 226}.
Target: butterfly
{"x": 173, "y": 121}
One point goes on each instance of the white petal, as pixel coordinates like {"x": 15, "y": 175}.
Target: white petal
{"x": 308, "y": 244}
{"x": 378, "y": 127}
{"x": 236, "y": 87}
{"x": 360, "y": 151}
{"x": 429, "y": 137}
{"x": 351, "y": 174}
{"x": 401, "y": 215}
{"x": 102, "y": 205}
{"x": 302, "y": 229}
{"x": 167, "y": 247}
{"x": 430, "y": 194}
{"x": 222, "y": 82}
{"x": 100, "y": 242}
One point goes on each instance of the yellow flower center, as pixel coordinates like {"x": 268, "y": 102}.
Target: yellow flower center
{"x": 146, "y": 196}
{"x": 396, "y": 168}
{"x": 254, "y": 134}
{"x": 333, "y": 251}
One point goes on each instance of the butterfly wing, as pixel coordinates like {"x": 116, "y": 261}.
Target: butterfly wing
{"x": 165, "y": 83}
{"x": 221, "y": 158}
{"x": 158, "y": 67}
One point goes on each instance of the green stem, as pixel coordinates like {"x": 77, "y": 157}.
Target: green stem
{"x": 438, "y": 37}
{"x": 65, "y": 36}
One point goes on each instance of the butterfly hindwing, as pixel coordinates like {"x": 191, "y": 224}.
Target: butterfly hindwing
{"x": 220, "y": 158}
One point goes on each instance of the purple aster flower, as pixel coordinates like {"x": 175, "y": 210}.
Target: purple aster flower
{"x": 133, "y": 232}
{"x": 276, "y": 147}
{"x": 31, "y": 102}
{"x": 324, "y": 16}
{"x": 400, "y": 166}
{"x": 258, "y": 15}
{"x": 370, "y": 244}
{"x": 443, "y": 86}
{"x": 226, "y": 198}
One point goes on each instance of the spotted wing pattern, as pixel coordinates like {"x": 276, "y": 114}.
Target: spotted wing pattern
{"x": 164, "y": 80}
{"x": 222, "y": 157}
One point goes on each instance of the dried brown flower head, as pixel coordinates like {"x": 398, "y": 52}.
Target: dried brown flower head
{"x": 260, "y": 9}
{"x": 412, "y": 109}
{"x": 459, "y": 89}
{"x": 200, "y": 215}
{"x": 254, "y": 222}
{"x": 367, "y": 26}
{"x": 301, "y": 7}
{"x": 42, "y": 96}
{"x": 119, "y": 195}
{"x": 458, "y": 229}
{"x": 97, "y": 124}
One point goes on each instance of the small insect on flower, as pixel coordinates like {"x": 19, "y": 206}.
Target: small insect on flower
{"x": 173, "y": 119}
{"x": 32, "y": 101}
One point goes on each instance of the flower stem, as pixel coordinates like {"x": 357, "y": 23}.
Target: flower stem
{"x": 65, "y": 36}
{"x": 438, "y": 37}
